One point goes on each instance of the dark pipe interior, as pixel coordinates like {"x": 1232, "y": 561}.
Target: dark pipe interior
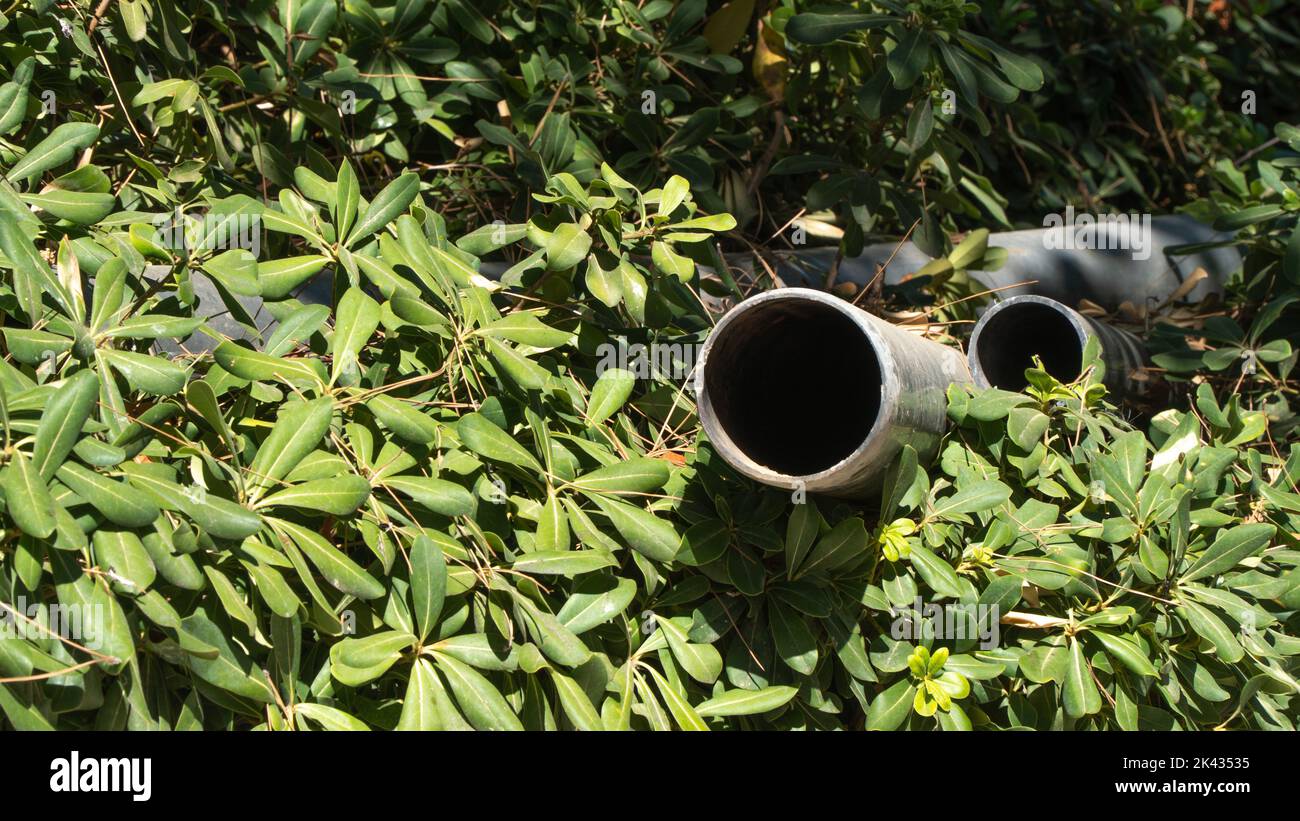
{"x": 795, "y": 384}
{"x": 1013, "y": 336}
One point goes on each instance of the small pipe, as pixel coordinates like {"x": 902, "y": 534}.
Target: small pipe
{"x": 801, "y": 390}
{"x": 1013, "y": 331}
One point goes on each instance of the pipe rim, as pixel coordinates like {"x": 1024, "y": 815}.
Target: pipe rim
{"x": 1076, "y": 320}
{"x": 876, "y": 434}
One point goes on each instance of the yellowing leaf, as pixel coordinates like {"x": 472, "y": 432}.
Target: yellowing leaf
{"x": 727, "y": 26}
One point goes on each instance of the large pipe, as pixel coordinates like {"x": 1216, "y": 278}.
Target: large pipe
{"x": 801, "y": 390}
{"x": 1012, "y": 332}
{"x": 1036, "y": 264}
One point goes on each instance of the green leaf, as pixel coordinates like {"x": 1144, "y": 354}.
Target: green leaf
{"x": 671, "y": 263}
{"x": 438, "y": 495}
{"x": 644, "y": 532}
{"x": 460, "y": 273}
{"x": 711, "y": 222}
{"x": 521, "y": 370}
{"x": 134, "y": 19}
{"x": 230, "y": 669}
{"x": 299, "y": 428}
{"x": 937, "y": 573}
{"x": 488, "y": 238}
{"x": 387, "y": 206}
{"x": 701, "y": 662}
{"x": 60, "y": 425}
{"x": 479, "y": 651}
{"x": 122, "y": 553}
{"x": 482, "y": 703}
{"x": 32, "y": 273}
{"x": 526, "y": 329}
{"x": 374, "y": 650}
{"x": 1046, "y": 663}
{"x": 1291, "y": 257}
{"x": 62, "y": 144}
{"x": 596, "y": 600}
{"x": 101, "y": 613}
{"x": 638, "y": 475}
{"x": 237, "y": 270}
{"x": 329, "y": 718}
{"x": 820, "y": 29}
{"x": 1211, "y": 627}
{"x": 118, "y": 502}
{"x": 347, "y": 199}
{"x": 419, "y": 706}
{"x": 611, "y": 392}
{"x": 909, "y": 58}
{"x": 338, "y": 495}
{"x": 249, "y": 364}
{"x": 273, "y": 589}
{"x": 13, "y": 96}
{"x": 891, "y": 708}
{"x": 1229, "y": 548}
{"x": 23, "y": 717}
{"x": 155, "y": 326}
{"x": 568, "y": 245}
{"x": 559, "y": 643}
{"x": 340, "y": 571}
{"x": 552, "y": 526}
{"x": 218, "y": 517}
{"x": 845, "y": 543}
{"x": 406, "y": 423}
{"x": 80, "y": 207}
{"x": 1079, "y": 693}
{"x": 148, "y": 374}
{"x": 573, "y": 700}
{"x": 727, "y": 26}
{"x": 747, "y": 702}
{"x": 1026, "y": 427}
{"x": 480, "y": 435}
{"x": 674, "y": 193}
{"x": 355, "y": 321}
{"x": 795, "y": 643}
{"x": 607, "y": 286}
{"x": 800, "y": 533}
{"x": 279, "y": 277}
{"x": 975, "y": 498}
{"x": 1126, "y": 652}
{"x": 428, "y": 583}
{"x": 27, "y": 499}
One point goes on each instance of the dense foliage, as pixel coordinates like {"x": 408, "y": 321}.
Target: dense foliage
{"x": 427, "y": 503}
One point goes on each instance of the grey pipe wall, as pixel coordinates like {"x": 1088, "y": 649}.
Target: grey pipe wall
{"x": 800, "y": 389}
{"x": 1068, "y": 275}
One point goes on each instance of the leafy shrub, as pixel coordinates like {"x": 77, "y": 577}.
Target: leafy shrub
{"x": 1250, "y": 349}
{"x": 518, "y": 543}
{"x": 428, "y": 503}
{"x": 862, "y": 118}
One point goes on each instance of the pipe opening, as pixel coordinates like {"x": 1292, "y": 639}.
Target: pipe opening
{"x": 1010, "y": 338}
{"x": 795, "y": 384}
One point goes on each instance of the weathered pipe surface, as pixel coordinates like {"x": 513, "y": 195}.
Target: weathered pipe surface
{"x": 1106, "y": 277}
{"x": 1013, "y": 331}
{"x": 800, "y": 389}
